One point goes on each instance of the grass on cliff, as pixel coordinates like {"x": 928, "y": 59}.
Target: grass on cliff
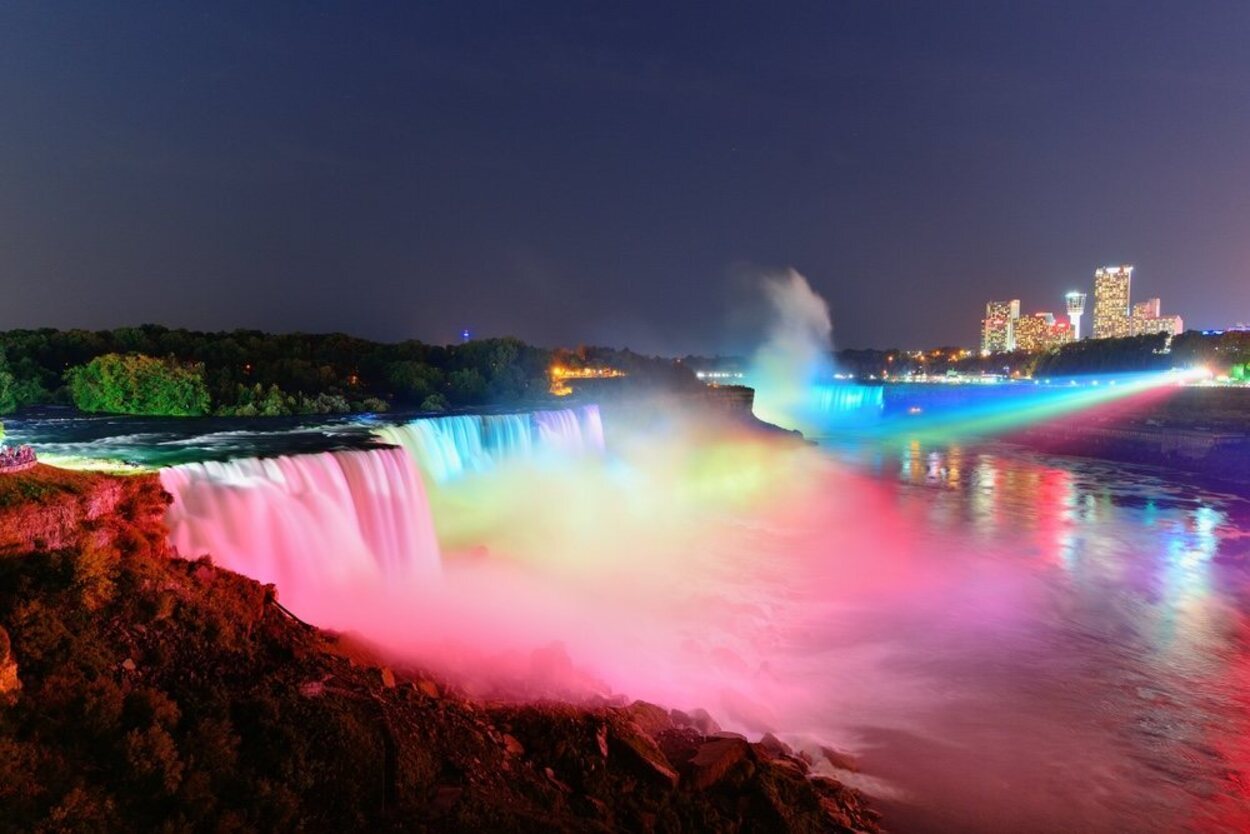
{"x": 40, "y": 486}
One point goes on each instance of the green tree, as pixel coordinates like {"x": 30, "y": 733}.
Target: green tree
{"x": 414, "y": 380}
{"x": 434, "y": 402}
{"x": 468, "y": 387}
{"x": 8, "y": 393}
{"x": 138, "y": 384}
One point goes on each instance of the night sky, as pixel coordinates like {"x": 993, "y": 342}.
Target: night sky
{"x": 573, "y": 173}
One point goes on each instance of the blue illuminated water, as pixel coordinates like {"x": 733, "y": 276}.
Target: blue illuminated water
{"x": 447, "y": 448}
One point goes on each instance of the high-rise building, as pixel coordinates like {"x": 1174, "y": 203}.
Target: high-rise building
{"x": 998, "y": 328}
{"x": 1148, "y": 318}
{"x": 1076, "y": 309}
{"x": 1031, "y": 330}
{"x": 1041, "y": 331}
{"x": 1151, "y": 308}
{"x": 1112, "y": 317}
{"x": 1171, "y": 325}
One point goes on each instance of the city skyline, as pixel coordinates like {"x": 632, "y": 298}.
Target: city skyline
{"x": 1114, "y": 314}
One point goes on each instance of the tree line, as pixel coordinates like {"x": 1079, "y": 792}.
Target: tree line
{"x": 156, "y": 370}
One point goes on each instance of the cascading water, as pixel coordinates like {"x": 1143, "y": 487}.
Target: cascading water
{"x": 446, "y": 448}
{"x": 568, "y": 431}
{"x": 841, "y": 404}
{"x": 443, "y": 447}
{"x": 354, "y": 520}
{"x": 507, "y": 435}
{"x": 308, "y": 522}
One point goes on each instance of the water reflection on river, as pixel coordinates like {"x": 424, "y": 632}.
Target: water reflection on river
{"x": 1111, "y": 694}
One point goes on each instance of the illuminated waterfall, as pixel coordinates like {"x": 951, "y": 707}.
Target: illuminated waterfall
{"x": 333, "y": 526}
{"x": 445, "y": 448}
{"x": 568, "y": 431}
{"x": 847, "y": 403}
{"x": 305, "y": 523}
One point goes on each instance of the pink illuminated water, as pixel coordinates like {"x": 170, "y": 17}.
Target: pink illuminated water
{"x": 1007, "y": 642}
{"x": 1081, "y": 666}
{"x": 351, "y": 521}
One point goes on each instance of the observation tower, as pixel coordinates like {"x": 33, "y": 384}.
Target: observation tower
{"x": 1076, "y": 308}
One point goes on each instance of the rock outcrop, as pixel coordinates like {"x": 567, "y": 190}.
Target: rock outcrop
{"x": 161, "y": 694}
{"x": 10, "y": 684}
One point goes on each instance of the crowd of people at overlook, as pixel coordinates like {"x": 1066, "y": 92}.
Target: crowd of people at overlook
{"x": 16, "y": 457}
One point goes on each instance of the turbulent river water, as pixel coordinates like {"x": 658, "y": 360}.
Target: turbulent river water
{"x": 1006, "y": 641}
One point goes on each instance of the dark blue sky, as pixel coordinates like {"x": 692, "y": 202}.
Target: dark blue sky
{"x": 571, "y": 173}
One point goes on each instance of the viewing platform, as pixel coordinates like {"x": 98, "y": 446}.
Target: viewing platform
{"x": 17, "y": 459}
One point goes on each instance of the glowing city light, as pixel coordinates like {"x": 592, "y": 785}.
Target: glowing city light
{"x": 560, "y": 376}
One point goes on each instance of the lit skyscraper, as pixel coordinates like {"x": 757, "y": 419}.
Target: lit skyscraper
{"x": 1041, "y": 331}
{"x": 1031, "y": 331}
{"x": 1168, "y": 325}
{"x": 1148, "y": 318}
{"x": 1112, "y": 317}
{"x": 1076, "y": 309}
{"x": 1151, "y": 308}
{"x": 998, "y": 328}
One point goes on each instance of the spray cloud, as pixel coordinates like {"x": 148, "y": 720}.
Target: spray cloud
{"x": 797, "y": 352}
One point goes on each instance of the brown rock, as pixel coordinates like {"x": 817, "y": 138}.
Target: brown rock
{"x": 844, "y": 805}
{"x": 790, "y": 766}
{"x": 10, "y": 684}
{"x": 128, "y": 664}
{"x": 679, "y": 745}
{"x": 601, "y": 739}
{"x": 774, "y": 747}
{"x": 205, "y": 574}
{"x": 635, "y": 745}
{"x": 702, "y": 721}
{"x": 514, "y": 747}
{"x": 715, "y": 760}
{"x": 551, "y": 776}
{"x": 840, "y": 760}
{"x": 649, "y": 718}
{"x": 388, "y": 678}
{"x": 427, "y": 688}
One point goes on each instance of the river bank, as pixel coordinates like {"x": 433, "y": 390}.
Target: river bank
{"x": 1196, "y": 429}
{"x": 143, "y": 691}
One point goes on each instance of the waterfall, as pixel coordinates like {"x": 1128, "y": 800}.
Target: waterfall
{"x": 334, "y": 519}
{"x": 841, "y": 404}
{"x": 446, "y": 448}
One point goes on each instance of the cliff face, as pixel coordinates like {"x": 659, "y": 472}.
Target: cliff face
{"x": 152, "y": 693}
{"x": 48, "y": 508}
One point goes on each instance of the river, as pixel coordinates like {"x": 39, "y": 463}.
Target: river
{"x": 1004, "y": 640}
{"x": 1084, "y": 665}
